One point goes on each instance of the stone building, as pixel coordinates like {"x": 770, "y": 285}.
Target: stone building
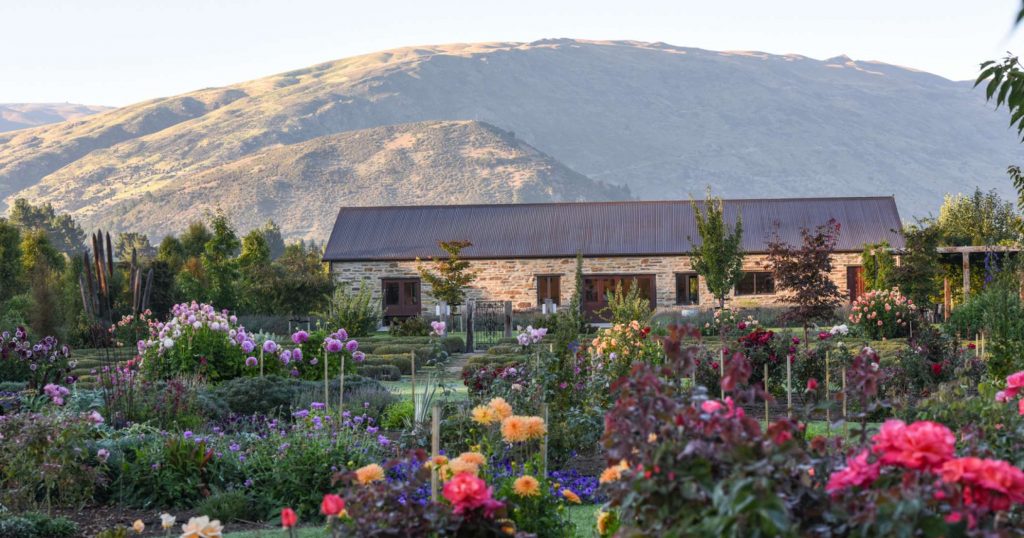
{"x": 525, "y": 253}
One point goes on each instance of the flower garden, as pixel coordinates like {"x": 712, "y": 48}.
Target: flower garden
{"x": 640, "y": 428}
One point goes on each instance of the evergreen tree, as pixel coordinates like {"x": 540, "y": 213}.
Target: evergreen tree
{"x": 219, "y": 262}
{"x": 452, "y": 275}
{"x": 10, "y": 260}
{"x": 63, "y": 232}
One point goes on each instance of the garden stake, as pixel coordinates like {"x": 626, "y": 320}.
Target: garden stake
{"x": 435, "y": 447}
{"x": 766, "y": 394}
{"x": 721, "y": 374}
{"x": 828, "y": 399}
{"x": 412, "y": 365}
{"x": 341, "y": 387}
{"x": 261, "y": 361}
{"x": 789, "y": 386}
{"x": 327, "y": 390}
{"x": 544, "y": 441}
{"x": 844, "y": 402}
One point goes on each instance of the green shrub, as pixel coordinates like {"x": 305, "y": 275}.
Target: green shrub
{"x": 269, "y": 395}
{"x": 398, "y": 415}
{"x": 36, "y": 525}
{"x": 173, "y": 472}
{"x": 228, "y": 506}
{"x": 357, "y": 312}
{"x": 381, "y": 372}
{"x": 396, "y": 349}
{"x": 12, "y": 386}
{"x": 402, "y": 362}
{"x": 491, "y": 360}
{"x": 1000, "y": 313}
{"x": 504, "y": 349}
{"x": 453, "y": 344}
{"x": 414, "y": 326}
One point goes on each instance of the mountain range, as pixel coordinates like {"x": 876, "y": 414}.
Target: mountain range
{"x": 506, "y": 122}
{"x": 21, "y": 115}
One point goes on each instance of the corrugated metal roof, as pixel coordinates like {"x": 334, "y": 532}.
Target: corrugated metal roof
{"x": 595, "y": 228}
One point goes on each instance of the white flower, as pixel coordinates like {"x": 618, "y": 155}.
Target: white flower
{"x": 840, "y": 330}
{"x": 202, "y": 527}
{"x": 168, "y": 343}
{"x": 167, "y": 520}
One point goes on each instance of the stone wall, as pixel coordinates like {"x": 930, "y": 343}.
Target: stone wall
{"x": 516, "y": 280}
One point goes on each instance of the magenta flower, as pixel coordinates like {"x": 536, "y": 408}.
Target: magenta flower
{"x": 359, "y": 356}
{"x": 248, "y": 346}
{"x": 251, "y": 361}
{"x": 333, "y": 346}
{"x": 286, "y": 357}
{"x": 351, "y": 346}
{"x": 269, "y": 346}
{"x": 297, "y": 355}
{"x": 300, "y": 337}
{"x": 342, "y": 334}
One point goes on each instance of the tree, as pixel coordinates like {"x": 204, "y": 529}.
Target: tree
{"x": 10, "y": 260}
{"x": 259, "y": 281}
{"x": 719, "y": 257}
{"x": 38, "y": 254}
{"x": 304, "y": 282}
{"x": 919, "y": 274}
{"x": 194, "y": 240}
{"x": 879, "y": 265}
{"x": 453, "y": 275}
{"x": 219, "y": 262}
{"x": 61, "y": 230}
{"x": 128, "y": 241}
{"x": 275, "y": 242}
{"x": 805, "y": 272}
{"x": 979, "y": 219}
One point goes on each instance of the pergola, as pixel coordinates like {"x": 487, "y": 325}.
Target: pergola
{"x": 965, "y": 254}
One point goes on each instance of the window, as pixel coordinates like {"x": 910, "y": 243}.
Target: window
{"x": 549, "y": 287}
{"x": 687, "y": 289}
{"x": 756, "y": 283}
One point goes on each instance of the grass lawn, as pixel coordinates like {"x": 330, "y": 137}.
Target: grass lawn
{"x": 403, "y": 388}
{"x": 304, "y": 532}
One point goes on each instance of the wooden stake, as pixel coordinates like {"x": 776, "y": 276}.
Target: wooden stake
{"x": 544, "y": 441}
{"x": 341, "y": 386}
{"x": 435, "y": 447}
{"x": 412, "y": 362}
{"x": 261, "y": 361}
{"x": 721, "y": 375}
{"x": 789, "y": 386}
{"x": 828, "y": 400}
{"x": 327, "y": 386}
{"x": 844, "y": 402}
{"x": 766, "y": 394}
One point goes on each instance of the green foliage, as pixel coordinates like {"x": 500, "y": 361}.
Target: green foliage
{"x": 272, "y": 235}
{"x": 173, "y": 472}
{"x": 414, "y": 326}
{"x": 999, "y": 312}
{"x": 879, "y": 265}
{"x": 219, "y": 263}
{"x": 380, "y": 372}
{"x": 402, "y": 362}
{"x": 719, "y": 257}
{"x": 398, "y": 416}
{"x": 126, "y": 242}
{"x": 357, "y": 311}
{"x": 919, "y": 276}
{"x": 541, "y": 515}
{"x": 627, "y": 305}
{"x": 60, "y": 229}
{"x": 452, "y": 274}
{"x": 270, "y": 395}
{"x": 302, "y": 279}
{"x": 10, "y": 260}
{"x": 36, "y": 525}
{"x": 979, "y": 219}
{"x": 226, "y": 506}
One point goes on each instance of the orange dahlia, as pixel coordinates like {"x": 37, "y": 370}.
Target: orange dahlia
{"x": 503, "y": 408}
{"x": 515, "y": 429}
{"x": 370, "y": 473}
{"x": 526, "y": 486}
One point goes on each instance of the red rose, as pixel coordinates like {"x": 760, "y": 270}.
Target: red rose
{"x": 812, "y": 385}
{"x": 937, "y": 368}
{"x": 467, "y": 492}
{"x": 289, "y": 518}
{"x": 332, "y": 505}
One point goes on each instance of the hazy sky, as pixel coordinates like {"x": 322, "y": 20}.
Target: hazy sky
{"x": 116, "y": 52}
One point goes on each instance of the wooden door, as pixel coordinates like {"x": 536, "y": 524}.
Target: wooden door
{"x": 854, "y": 281}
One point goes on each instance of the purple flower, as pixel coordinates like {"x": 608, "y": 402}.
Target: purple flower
{"x": 102, "y": 455}
{"x": 359, "y": 356}
{"x": 269, "y": 346}
{"x": 342, "y": 334}
{"x": 95, "y": 417}
{"x": 187, "y": 434}
{"x": 383, "y": 441}
{"x": 438, "y": 327}
{"x": 333, "y": 346}
{"x": 297, "y": 355}
{"x": 301, "y": 413}
{"x": 248, "y": 346}
{"x": 251, "y": 361}
{"x": 317, "y": 405}
{"x": 286, "y": 357}
{"x": 295, "y": 372}
{"x": 351, "y": 346}
{"x": 234, "y": 447}
{"x": 300, "y": 337}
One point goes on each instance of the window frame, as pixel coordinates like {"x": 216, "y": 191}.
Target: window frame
{"x": 547, "y": 277}
{"x": 687, "y": 276}
{"x": 756, "y": 287}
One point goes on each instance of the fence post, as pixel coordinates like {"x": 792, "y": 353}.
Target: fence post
{"x": 435, "y": 447}
{"x": 508, "y": 319}
{"x": 544, "y": 441}
{"x": 469, "y": 327}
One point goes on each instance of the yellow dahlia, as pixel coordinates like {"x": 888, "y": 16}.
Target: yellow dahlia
{"x": 603, "y": 521}
{"x": 436, "y": 461}
{"x": 370, "y": 473}
{"x": 613, "y": 473}
{"x": 570, "y": 496}
{"x": 475, "y": 458}
{"x": 514, "y": 429}
{"x": 485, "y": 415}
{"x": 503, "y": 408}
{"x": 526, "y": 486}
